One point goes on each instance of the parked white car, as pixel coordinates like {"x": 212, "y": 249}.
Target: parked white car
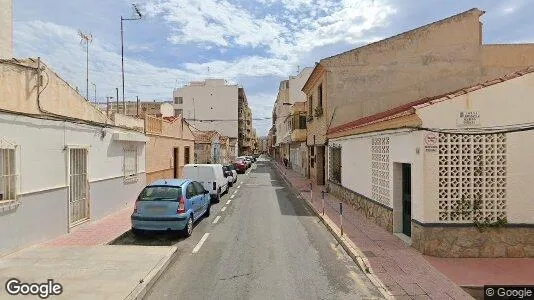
{"x": 231, "y": 174}
{"x": 211, "y": 176}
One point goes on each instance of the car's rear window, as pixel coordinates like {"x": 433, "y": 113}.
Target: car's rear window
{"x": 160, "y": 193}
{"x": 230, "y": 167}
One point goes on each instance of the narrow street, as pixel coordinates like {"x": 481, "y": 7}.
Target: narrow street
{"x": 260, "y": 242}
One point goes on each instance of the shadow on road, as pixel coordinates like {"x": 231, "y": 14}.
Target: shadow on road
{"x": 148, "y": 239}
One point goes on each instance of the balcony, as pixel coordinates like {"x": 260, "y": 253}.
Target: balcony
{"x": 298, "y": 135}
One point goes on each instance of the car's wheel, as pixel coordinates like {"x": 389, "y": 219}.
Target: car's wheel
{"x": 231, "y": 184}
{"x": 207, "y": 213}
{"x": 218, "y": 197}
{"x": 188, "y": 230}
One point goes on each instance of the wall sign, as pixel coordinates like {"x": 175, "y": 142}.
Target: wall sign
{"x": 431, "y": 141}
{"x": 468, "y": 118}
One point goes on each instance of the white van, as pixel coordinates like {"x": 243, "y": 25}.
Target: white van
{"x": 210, "y": 175}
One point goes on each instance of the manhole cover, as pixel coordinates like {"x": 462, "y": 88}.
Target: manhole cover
{"x": 369, "y": 253}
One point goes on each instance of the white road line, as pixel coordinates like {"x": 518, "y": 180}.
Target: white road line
{"x": 216, "y": 219}
{"x": 232, "y": 197}
{"x": 235, "y": 192}
{"x": 241, "y": 182}
{"x": 224, "y": 208}
{"x": 239, "y": 187}
{"x": 228, "y": 202}
{"x": 200, "y": 243}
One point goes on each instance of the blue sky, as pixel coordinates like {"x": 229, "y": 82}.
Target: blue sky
{"x": 255, "y": 43}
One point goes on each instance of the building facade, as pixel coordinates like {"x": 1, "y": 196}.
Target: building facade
{"x": 62, "y": 161}
{"x": 245, "y": 127}
{"x": 6, "y": 29}
{"x": 439, "y": 57}
{"x": 141, "y": 109}
{"x": 213, "y": 104}
{"x": 207, "y": 147}
{"x": 450, "y": 172}
{"x": 170, "y": 146}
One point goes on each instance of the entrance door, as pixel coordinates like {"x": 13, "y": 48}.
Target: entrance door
{"x": 78, "y": 187}
{"x": 407, "y": 199}
{"x": 176, "y": 159}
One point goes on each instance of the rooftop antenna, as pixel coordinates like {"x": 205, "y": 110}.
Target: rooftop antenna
{"x": 86, "y": 38}
{"x": 137, "y": 16}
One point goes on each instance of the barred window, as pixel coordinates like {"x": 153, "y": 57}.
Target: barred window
{"x": 130, "y": 162}
{"x": 8, "y": 175}
{"x": 335, "y": 164}
{"x": 186, "y": 155}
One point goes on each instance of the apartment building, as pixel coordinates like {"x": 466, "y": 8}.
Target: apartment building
{"x": 6, "y": 28}
{"x": 245, "y": 129}
{"x": 212, "y": 105}
{"x": 286, "y": 119}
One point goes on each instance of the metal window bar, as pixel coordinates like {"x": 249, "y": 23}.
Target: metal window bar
{"x": 78, "y": 189}
{"x": 8, "y": 176}
{"x": 130, "y": 162}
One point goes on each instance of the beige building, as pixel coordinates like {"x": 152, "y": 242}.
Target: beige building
{"x": 430, "y": 60}
{"x": 207, "y": 147}
{"x": 213, "y": 104}
{"x": 141, "y": 109}
{"x": 245, "y": 128}
{"x": 170, "y": 146}
{"x": 6, "y": 28}
{"x": 451, "y": 174}
{"x": 289, "y": 93}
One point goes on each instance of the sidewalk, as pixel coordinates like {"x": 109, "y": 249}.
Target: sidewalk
{"x": 402, "y": 270}
{"x": 85, "y": 266}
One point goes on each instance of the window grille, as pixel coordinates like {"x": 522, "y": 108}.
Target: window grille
{"x": 130, "y": 162}
{"x": 8, "y": 175}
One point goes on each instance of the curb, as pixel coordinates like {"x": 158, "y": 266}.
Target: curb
{"x": 352, "y": 250}
{"x": 139, "y": 292}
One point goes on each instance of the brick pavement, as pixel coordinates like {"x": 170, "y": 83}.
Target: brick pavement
{"x": 96, "y": 233}
{"x": 403, "y": 270}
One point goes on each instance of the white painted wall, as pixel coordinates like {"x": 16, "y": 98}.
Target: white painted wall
{"x": 507, "y": 103}
{"x": 213, "y": 99}
{"x": 296, "y": 83}
{"x": 42, "y": 166}
{"x": 357, "y": 164}
{"x": 6, "y": 28}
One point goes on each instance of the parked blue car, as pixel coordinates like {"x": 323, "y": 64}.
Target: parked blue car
{"x": 170, "y": 204}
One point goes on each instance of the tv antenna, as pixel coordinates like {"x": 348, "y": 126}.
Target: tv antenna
{"x": 87, "y": 39}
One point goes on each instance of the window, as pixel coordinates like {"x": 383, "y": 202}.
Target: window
{"x": 335, "y": 164}
{"x": 186, "y": 155}
{"x": 320, "y": 96}
{"x": 199, "y": 188}
{"x": 130, "y": 162}
{"x": 312, "y": 151}
{"x": 160, "y": 193}
{"x": 178, "y": 100}
{"x": 310, "y": 106}
{"x": 178, "y": 112}
{"x": 302, "y": 122}
{"x": 191, "y": 192}
{"x": 8, "y": 175}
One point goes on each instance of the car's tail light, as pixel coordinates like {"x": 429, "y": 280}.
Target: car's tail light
{"x": 214, "y": 186}
{"x": 135, "y": 206}
{"x": 181, "y": 206}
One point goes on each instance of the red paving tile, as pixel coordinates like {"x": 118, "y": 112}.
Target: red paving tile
{"x": 96, "y": 233}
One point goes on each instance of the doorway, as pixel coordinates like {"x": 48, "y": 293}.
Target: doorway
{"x": 78, "y": 186}
{"x": 407, "y": 199}
{"x": 176, "y": 160}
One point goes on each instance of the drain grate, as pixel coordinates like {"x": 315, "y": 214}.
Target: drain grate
{"x": 369, "y": 253}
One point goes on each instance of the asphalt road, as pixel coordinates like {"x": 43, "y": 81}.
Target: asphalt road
{"x": 263, "y": 244}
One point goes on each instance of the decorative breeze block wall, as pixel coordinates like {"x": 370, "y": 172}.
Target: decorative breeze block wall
{"x": 380, "y": 170}
{"x": 472, "y": 167}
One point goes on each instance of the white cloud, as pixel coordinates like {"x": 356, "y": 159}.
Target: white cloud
{"x": 300, "y": 28}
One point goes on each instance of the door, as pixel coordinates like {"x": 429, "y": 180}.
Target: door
{"x": 191, "y": 196}
{"x": 176, "y": 160}
{"x": 78, "y": 187}
{"x": 407, "y": 199}
{"x": 202, "y": 198}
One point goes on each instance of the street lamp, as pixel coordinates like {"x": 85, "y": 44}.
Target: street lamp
{"x": 95, "y": 89}
{"x": 138, "y": 17}
{"x": 87, "y": 38}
